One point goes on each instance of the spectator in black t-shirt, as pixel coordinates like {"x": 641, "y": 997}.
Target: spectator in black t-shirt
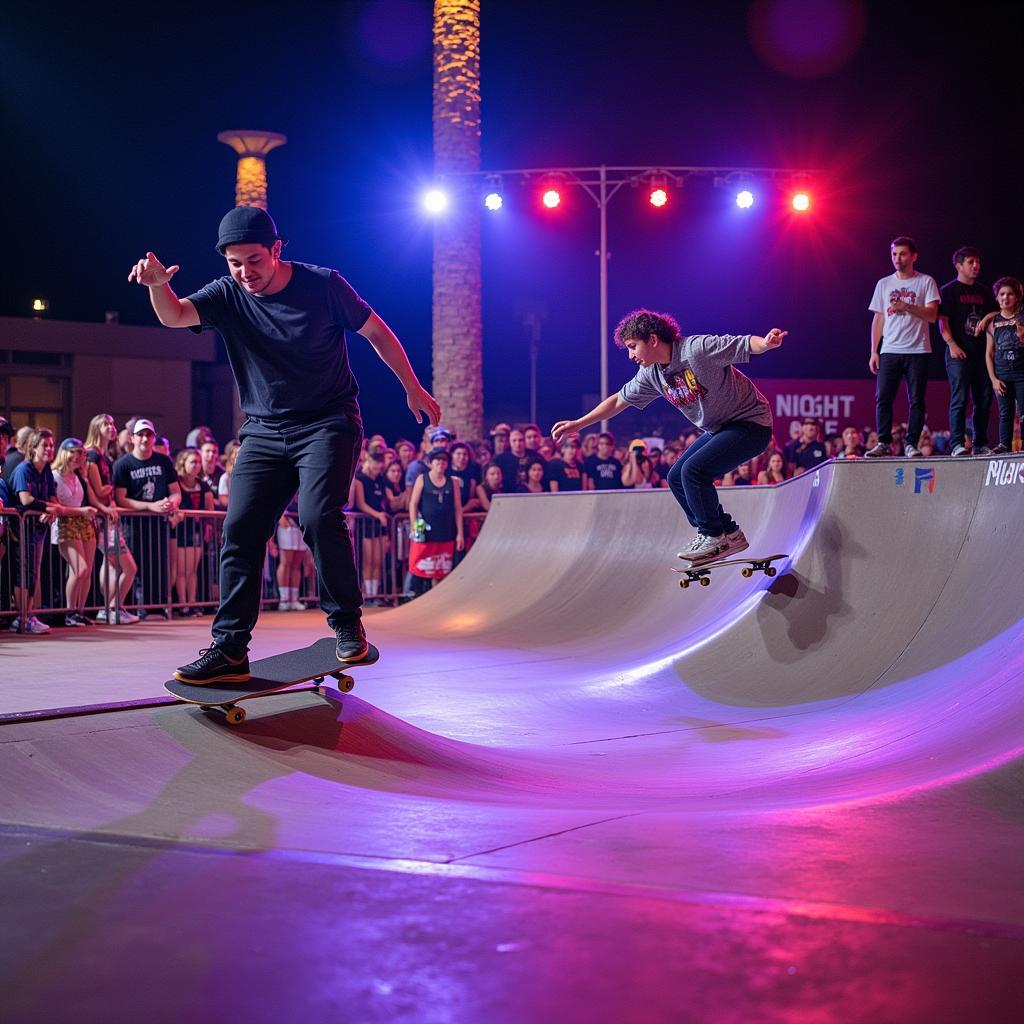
{"x": 16, "y": 452}
{"x": 963, "y": 306}
{"x": 565, "y": 472}
{"x": 369, "y": 496}
{"x": 145, "y": 481}
{"x": 493, "y": 483}
{"x": 810, "y": 451}
{"x": 515, "y": 462}
{"x": 533, "y": 438}
{"x": 601, "y": 471}
{"x": 190, "y": 532}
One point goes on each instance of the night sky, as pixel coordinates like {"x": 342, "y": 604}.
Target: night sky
{"x": 111, "y": 149}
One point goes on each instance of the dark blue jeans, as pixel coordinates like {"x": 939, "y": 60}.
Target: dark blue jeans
{"x": 893, "y": 368}
{"x": 692, "y": 476}
{"x": 317, "y": 460}
{"x": 968, "y": 376}
{"x": 1009, "y": 405}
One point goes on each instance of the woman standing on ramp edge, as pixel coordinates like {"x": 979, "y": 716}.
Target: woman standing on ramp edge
{"x": 283, "y": 325}
{"x": 696, "y": 374}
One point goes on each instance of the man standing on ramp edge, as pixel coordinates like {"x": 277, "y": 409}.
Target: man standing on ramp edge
{"x": 695, "y": 373}
{"x": 283, "y": 325}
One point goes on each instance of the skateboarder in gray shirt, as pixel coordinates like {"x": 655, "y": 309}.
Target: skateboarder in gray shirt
{"x": 696, "y": 374}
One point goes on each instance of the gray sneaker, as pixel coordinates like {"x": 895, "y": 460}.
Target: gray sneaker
{"x": 878, "y": 452}
{"x": 704, "y": 548}
{"x": 959, "y": 451}
{"x": 735, "y": 542}
{"x": 912, "y": 452}
{"x": 981, "y": 449}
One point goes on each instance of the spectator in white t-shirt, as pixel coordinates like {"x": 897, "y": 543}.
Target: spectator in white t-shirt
{"x": 903, "y": 304}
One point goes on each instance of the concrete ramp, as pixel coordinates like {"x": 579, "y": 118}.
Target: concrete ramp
{"x": 885, "y": 656}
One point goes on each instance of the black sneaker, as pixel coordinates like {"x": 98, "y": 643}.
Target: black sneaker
{"x": 352, "y": 645}
{"x": 1000, "y": 449}
{"x": 214, "y": 666}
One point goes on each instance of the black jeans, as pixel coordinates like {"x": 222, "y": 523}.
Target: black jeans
{"x": 1010, "y": 405}
{"x": 892, "y": 368}
{"x": 692, "y": 476}
{"x": 968, "y": 376}
{"x": 318, "y": 460}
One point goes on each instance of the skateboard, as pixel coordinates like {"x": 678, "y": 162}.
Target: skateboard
{"x": 310, "y": 664}
{"x": 702, "y": 573}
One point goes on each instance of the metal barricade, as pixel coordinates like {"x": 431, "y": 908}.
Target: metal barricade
{"x": 145, "y": 563}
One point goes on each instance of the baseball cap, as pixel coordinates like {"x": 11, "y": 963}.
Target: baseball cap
{"x": 246, "y": 224}
{"x": 141, "y": 425}
{"x": 5, "y": 428}
{"x": 438, "y": 452}
{"x": 71, "y": 442}
{"x": 441, "y": 434}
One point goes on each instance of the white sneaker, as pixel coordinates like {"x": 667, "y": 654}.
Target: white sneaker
{"x": 912, "y": 452}
{"x": 704, "y": 548}
{"x": 35, "y": 626}
{"x": 125, "y": 618}
{"x": 284, "y": 606}
{"x": 297, "y": 606}
{"x": 878, "y": 452}
{"x": 959, "y": 451}
{"x": 101, "y": 615}
{"x": 735, "y": 542}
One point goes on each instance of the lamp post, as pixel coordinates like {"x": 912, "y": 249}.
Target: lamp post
{"x": 602, "y": 183}
{"x": 252, "y": 148}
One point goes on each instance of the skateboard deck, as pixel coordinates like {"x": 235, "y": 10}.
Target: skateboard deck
{"x": 310, "y": 664}
{"x": 702, "y": 573}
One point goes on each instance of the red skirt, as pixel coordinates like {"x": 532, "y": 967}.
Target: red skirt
{"x": 431, "y": 559}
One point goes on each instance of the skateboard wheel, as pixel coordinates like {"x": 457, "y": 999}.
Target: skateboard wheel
{"x": 771, "y": 571}
{"x": 684, "y": 583}
{"x": 345, "y": 683}
{"x": 234, "y": 716}
{"x": 747, "y": 573}
{"x": 318, "y": 679}
{"x": 705, "y": 581}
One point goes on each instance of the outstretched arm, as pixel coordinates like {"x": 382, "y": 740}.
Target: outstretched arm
{"x": 170, "y": 310}
{"x": 611, "y": 406}
{"x": 389, "y": 348}
{"x": 773, "y": 339}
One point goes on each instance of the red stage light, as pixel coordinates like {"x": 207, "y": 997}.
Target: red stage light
{"x": 551, "y": 198}
{"x": 801, "y": 202}
{"x": 658, "y": 197}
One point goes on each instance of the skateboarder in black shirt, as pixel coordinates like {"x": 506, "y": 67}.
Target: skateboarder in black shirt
{"x": 283, "y": 324}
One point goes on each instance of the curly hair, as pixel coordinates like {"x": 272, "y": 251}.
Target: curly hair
{"x": 642, "y": 323}
{"x": 1009, "y": 282}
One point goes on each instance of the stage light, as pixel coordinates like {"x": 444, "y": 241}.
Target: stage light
{"x": 493, "y": 201}
{"x": 801, "y": 202}
{"x": 435, "y": 201}
{"x": 40, "y": 305}
{"x": 745, "y": 199}
{"x": 658, "y": 197}
{"x": 551, "y": 198}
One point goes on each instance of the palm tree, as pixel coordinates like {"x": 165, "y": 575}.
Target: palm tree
{"x": 457, "y": 327}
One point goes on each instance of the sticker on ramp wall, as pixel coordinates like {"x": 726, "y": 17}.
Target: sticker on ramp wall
{"x": 1003, "y": 474}
{"x": 924, "y": 479}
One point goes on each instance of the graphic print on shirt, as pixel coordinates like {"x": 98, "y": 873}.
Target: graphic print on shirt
{"x": 907, "y": 295}
{"x": 684, "y": 389}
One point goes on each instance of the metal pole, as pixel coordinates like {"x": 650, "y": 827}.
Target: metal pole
{"x": 602, "y": 205}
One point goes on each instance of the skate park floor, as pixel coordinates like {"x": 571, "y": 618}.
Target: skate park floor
{"x": 568, "y": 788}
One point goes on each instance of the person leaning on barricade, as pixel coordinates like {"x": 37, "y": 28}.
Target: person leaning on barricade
{"x": 74, "y": 533}
{"x": 36, "y": 490}
{"x": 145, "y": 481}
{"x": 119, "y": 569}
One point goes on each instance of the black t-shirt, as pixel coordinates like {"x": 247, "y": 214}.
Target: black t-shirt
{"x": 145, "y": 480}
{"x": 287, "y": 350}
{"x": 373, "y": 491}
{"x": 195, "y": 500}
{"x": 467, "y": 484}
{"x": 606, "y": 474}
{"x": 568, "y": 476}
{"x": 1008, "y": 357}
{"x": 807, "y": 456}
{"x": 104, "y": 465}
{"x": 960, "y": 301}
{"x": 514, "y": 467}
{"x": 11, "y": 460}
{"x": 437, "y": 507}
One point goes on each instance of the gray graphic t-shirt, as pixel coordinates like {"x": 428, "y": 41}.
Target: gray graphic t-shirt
{"x": 701, "y": 382}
